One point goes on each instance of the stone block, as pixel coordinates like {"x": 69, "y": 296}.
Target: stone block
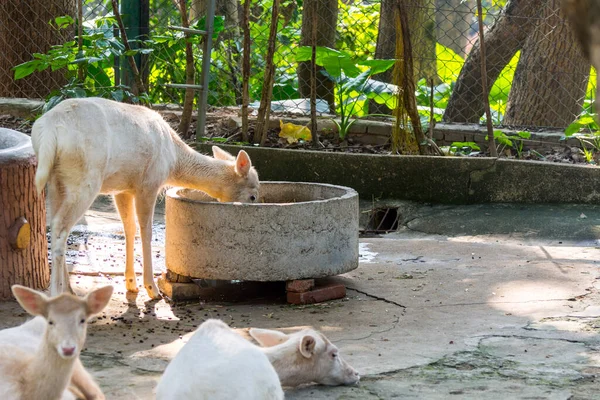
{"x": 178, "y": 291}
{"x": 450, "y": 137}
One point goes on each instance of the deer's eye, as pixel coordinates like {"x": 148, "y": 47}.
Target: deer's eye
{"x": 82, "y": 321}
{"x": 50, "y": 322}
{"x": 253, "y": 198}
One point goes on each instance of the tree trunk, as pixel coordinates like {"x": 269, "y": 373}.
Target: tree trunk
{"x": 422, "y": 29}
{"x": 228, "y": 8}
{"x": 190, "y": 94}
{"x": 421, "y": 22}
{"x": 551, "y": 78}
{"x": 23, "y": 243}
{"x": 453, "y": 20}
{"x": 24, "y": 30}
{"x": 327, "y": 12}
{"x": 385, "y": 48}
{"x": 502, "y": 41}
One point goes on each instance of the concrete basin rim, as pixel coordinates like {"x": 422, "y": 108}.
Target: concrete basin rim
{"x": 22, "y": 141}
{"x": 173, "y": 193}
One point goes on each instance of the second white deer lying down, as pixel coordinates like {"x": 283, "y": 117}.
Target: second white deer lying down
{"x": 218, "y": 364}
{"x": 90, "y": 146}
{"x": 40, "y": 359}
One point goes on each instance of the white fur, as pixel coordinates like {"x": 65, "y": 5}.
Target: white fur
{"x": 304, "y": 357}
{"x": 219, "y": 364}
{"x": 90, "y": 146}
{"x": 34, "y": 363}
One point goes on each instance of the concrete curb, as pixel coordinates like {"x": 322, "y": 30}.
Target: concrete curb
{"x": 453, "y": 180}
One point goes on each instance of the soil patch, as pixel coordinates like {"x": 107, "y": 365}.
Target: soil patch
{"x": 221, "y": 127}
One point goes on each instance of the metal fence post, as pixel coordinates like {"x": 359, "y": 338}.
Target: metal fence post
{"x": 204, "y": 75}
{"x": 136, "y": 18}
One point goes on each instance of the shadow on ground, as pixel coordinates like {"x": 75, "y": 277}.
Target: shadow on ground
{"x": 469, "y": 302}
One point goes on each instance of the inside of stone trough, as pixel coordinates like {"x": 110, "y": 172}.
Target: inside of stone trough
{"x": 478, "y": 301}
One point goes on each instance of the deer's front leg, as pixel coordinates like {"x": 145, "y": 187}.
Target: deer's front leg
{"x": 124, "y": 203}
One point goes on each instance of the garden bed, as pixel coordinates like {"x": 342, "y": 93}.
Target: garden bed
{"x": 365, "y": 137}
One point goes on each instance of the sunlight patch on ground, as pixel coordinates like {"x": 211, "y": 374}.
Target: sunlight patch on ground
{"x": 365, "y": 256}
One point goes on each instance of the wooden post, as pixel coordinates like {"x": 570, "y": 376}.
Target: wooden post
{"x": 23, "y": 243}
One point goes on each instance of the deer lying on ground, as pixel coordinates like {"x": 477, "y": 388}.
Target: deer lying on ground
{"x": 40, "y": 359}
{"x": 218, "y": 364}
{"x": 90, "y": 146}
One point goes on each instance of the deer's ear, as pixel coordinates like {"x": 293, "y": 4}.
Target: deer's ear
{"x": 307, "y": 346}
{"x": 34, "y": 302}
{"x": 243, "y": 163}
{"x": 221, "y": 154}
{"x": 267, "y": 337}
{"x": 98, "y": 299}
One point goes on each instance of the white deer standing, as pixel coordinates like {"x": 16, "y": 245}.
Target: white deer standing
{"x": 90, "y": 146}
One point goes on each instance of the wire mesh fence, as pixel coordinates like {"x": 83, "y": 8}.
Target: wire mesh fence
{"x": 537, "y": 74}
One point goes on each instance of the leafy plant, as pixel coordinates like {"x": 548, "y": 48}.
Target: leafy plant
{"x": 460, "y": 148}
{"x": 353, "y": 82}
{"x": 590, "y": 137}
{"x": 516, "y": 141}
{"x": 96, "y": 58}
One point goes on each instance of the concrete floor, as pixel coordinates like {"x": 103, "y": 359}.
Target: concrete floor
{"x": 465, "y": 302}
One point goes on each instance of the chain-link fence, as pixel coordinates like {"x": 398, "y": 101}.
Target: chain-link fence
{"x": 537, "y": 74}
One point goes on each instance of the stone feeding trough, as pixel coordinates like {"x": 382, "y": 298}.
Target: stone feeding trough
{"x": 296, "y": 232}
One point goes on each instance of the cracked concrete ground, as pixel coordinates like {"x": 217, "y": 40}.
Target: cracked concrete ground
{"x": 467, "y": 302}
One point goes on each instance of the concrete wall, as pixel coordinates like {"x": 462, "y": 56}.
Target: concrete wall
{"x": 430, "y": 179}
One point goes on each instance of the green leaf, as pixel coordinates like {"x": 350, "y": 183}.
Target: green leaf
{"x": 524, "y": 134}
{"x": 54, "y": 100}
{"x": 76, "y": 92}
{"x": 118, "y": 95}
{"x": 99, "y": 76}
{"x": 471, "y": 145}
{"x": 449, "y": 64}
{"x": 573, "y": 128}
{"x": 586, "y": 120}
{"x": 218, "y": 25}
{"x": 502, "y": 138}
{"x": 501, "y": 87}
{"x": 332, "y": 60}
{"x": 63, "y": 21}
{"x": 378, "y": 66}
{"x": 128, "y": 53}
{"x": 304, "y": 53}
{"x": 27, "y": 68}
{"x": 86, "y": 60}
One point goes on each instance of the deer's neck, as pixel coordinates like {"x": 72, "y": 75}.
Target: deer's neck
{"x": 279, "y": 357}
{"x": 197, "y": 171}
{"x": 48, "y": 374}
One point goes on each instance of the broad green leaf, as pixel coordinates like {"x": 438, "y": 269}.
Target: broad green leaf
{"x": 501, "y": 87}
{"x": 449, "y": 64}
{"x": 471, "y": 145}
{"x": 54, "y": 100}
{"x": 100, "y": 77}
{"x": 378, "y": 66}
{"x": 586, "y": 120}
{"x": 591, "y": 86}
{"x": 304, "y": 53}
{"x": 63, "y": 21}
{"x": 524, "y": 134}
{"x": 76, "y": 92}
{"x": 118, "y": 94}
{"x": 573, "y": 128}
{"x": 86, "y": 60}
{"x": 27, "y": 68}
